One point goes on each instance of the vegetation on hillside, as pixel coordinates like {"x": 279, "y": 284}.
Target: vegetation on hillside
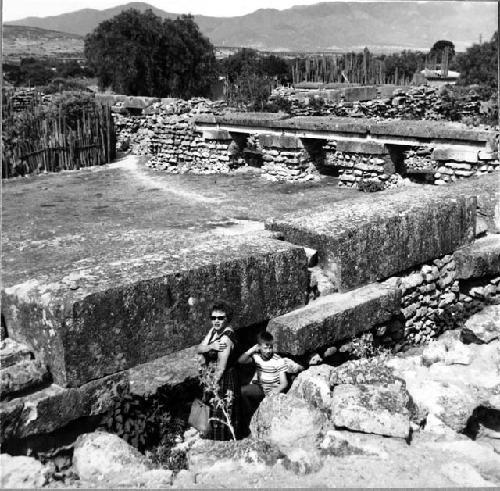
{"x": 138, "y": 53}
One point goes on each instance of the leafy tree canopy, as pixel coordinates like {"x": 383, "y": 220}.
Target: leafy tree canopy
{"x": 138, "y": 53}
{"x": 438, "y": 48}
{"x": 248, "y": 61}
{"x": 479, "y": 64}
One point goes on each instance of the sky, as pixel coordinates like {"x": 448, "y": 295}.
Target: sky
{"x": 18, "y": 9}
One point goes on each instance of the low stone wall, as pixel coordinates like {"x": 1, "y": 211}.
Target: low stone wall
{"x": 398, "y": 102}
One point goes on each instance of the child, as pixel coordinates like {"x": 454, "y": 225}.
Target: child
{"x": 269, "y": 378}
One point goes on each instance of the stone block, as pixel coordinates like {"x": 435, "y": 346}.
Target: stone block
{"x": 54, "y": 407}
{"x": 280, "y": 141}
{"x": 216, "y": 135}
{"x": 115, "y": 314}
{"x": 335, "y": 317}
{"x": 364, "y": 147}
{"x": 458, "y": 155}
{"x": 22, "y": 376}
{"x": 481, "y": 258}
{"x": 376, "y": 237}
{"x": 372, "y": 408}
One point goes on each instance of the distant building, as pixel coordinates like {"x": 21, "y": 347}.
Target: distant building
{"x": 436, "y": 78}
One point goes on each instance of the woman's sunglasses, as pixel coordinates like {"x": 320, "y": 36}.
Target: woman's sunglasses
{"x": 218, "y": 317}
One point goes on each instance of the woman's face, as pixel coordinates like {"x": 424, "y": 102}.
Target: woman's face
{"x": 219, "y": 320}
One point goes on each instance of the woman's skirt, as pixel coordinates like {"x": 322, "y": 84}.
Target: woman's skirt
{"x": 228, "y": 385}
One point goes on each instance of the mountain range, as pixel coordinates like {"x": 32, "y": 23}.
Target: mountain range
{"x": 382, "y": 26}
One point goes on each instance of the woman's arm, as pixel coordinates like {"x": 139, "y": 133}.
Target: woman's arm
{"x": 222, "y": 357}
{"x": 204, "y": 347}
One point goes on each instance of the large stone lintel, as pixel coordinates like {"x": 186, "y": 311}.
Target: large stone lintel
{"x": 368, "y": 147}
{"x": 111, "y": 316}
{"x": 335, "y": 317}
{"x": 54, "y": 407}
{"x": 279, "y": 141}
{"x": 447, "y": 154}
{"x": 376, "y": 237}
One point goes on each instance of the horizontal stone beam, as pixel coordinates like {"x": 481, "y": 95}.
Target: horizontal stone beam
{"x": 214, "y": 134}
{"x": 376, "y": 237}
{"x": 479, "y": 259}
{"x": 446, "y": 154}
{"x": 335, "y": 317}
{"x": 54, "y": 407}
{"x": 364, "y": 147}
{"x": 111, "y": 316}
{"x": 279, "y": 141}
{"x": 407, "y": 132}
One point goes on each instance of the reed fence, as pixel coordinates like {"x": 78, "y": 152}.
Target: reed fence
{"x": 41, "y": 136}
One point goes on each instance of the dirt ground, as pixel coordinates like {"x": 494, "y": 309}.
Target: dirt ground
{"x": 71, "y": 215}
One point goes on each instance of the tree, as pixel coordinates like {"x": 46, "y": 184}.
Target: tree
{"x": 479, "y": 64}
{"x": 439, "y": 47}
{"x": 138, "y": 53}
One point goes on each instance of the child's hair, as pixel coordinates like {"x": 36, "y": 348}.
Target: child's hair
{"x": 264, "y": 337}
{"x": 224, "y": 307}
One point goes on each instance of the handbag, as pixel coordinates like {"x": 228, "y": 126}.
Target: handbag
{"x": 199, "y": 416}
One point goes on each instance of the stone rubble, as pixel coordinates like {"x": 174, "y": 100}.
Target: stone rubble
{"x": 421, "y": 102}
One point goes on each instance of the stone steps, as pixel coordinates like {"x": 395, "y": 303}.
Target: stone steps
{"x": 335, "y": 317}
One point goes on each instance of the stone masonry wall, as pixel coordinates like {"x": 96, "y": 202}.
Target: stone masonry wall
{"x": 435, "y": 300}
{"x": 440, "y": 168}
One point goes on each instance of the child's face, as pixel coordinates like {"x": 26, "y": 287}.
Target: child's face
{"x": 266, "y": 350}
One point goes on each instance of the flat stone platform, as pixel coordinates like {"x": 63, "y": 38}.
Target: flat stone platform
{"x": 482, "y": 258}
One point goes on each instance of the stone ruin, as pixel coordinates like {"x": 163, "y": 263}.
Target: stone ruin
{"x": 110, "y": 344}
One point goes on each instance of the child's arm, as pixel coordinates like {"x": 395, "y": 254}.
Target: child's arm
{"x": 283, "y": 384}
{"x": 246, "y": 357}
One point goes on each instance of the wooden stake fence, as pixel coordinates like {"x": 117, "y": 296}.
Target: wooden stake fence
{"x": 33, "y": 141}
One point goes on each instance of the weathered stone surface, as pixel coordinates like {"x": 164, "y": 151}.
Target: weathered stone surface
{"x": 376, "y": 237}
{"x": 335, "y": 317}
{"x": 104, "y": 318}
{"x": 12, "y": 352}
{"x": 368, "y": 147}
{"x": 106, "y": 458}
{"x": 421, "y": 130}
{"x": 22, "y": 376}
{"x": 209, "y": 456}
{"x": 362, "y": 371}
{"x": 481, "y": 258}
{"x": 452, "y": 391}
{"x": 22, "y": 472}
{"x": 216, "y": 135}
{"x": 313, "y": 385}
{"x": 54, "y": 407}
{"x": 286, "y": 421}
{"x": 484, "y": 326}
{"x": 381, "y": 409}
{"x": 277, "y": 141}
{"x": 458, "y": 155}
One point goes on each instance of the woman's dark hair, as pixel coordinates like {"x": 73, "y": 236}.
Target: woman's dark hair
{"x": 224, "y": 307}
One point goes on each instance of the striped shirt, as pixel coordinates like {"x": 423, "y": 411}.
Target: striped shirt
{"x": 267, "y": 372}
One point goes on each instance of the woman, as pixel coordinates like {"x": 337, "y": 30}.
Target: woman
{"x": 219, "y": 375}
